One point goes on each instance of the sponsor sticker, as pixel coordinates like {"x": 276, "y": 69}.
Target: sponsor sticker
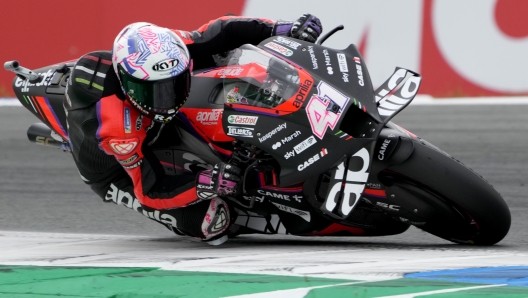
{"x": 25, "y": 84}
{"x": 304, "y": 88}
{"x": 312, "y": 57}
{"x": 343, "y": 66}
{"x": 166, "y": 65}
{"x": 290, "y": 137}
{"x": 328, "y": 63}
{"x": 129, "y": 160}
{"x": 128, "y": 200}
{"x": 341, "y": 60}
{"x": 359, "y": 71}
{"x": 139, "y": 122}
{"x": 313, "y": 159}
{"x": 209, "y": 118}
{"x": 279, "y": 49}
{"x": 229, "y": 71}
{"x": 128, "y": 125}
{"x": 287, "y": 42}
{"x": 303, "y": 214}
{"x": 305, "y": 144}
{"x": 242, "y": 120}
{"x": 273, "y": 132}
{"x": 236, "y": 131}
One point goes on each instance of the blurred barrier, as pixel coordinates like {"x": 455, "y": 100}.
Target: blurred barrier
{"x": 461, "y": 47}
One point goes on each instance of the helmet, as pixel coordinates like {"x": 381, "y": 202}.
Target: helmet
{"x": 154, "y": 68}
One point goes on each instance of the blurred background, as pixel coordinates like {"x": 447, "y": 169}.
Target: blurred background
{"x": 460, "y": 47}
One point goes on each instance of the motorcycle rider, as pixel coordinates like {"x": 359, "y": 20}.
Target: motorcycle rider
{"x": 118, "y": 103}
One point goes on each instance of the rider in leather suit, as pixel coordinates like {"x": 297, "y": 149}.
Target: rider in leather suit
{"x": 118, "y": 105}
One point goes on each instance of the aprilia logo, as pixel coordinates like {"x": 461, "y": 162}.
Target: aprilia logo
{"x": 121, "y": 197}
{"x": 303, "y": 91}
{"x": 209, "y": 118}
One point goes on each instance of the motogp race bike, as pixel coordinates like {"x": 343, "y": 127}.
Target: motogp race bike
{"x": 319, "y": 152}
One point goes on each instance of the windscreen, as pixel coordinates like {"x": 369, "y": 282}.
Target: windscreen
{"x": 256, "y": 78}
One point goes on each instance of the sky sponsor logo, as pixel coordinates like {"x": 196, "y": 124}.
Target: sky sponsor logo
{"x": 343, "y": 66}
{"x": 305, "y": 144}
{"x": 279, "y": 49}
{"x": 273, "y": 132}
{"x": 242, "y": 120}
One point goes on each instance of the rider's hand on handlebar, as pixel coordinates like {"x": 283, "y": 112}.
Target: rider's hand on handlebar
{"x": 308, "y": 27}
{"x": 222, "y": 180}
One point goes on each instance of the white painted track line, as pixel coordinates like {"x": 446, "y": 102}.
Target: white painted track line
{"x": 346, "y": 261}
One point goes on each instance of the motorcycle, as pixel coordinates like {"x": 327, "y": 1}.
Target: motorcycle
{"x": 320, "y": 153}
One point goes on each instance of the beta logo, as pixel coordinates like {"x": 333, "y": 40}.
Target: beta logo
{"x": 166, "y": 64}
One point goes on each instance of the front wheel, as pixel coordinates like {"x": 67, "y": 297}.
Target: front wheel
{"x": 456, "y": 203}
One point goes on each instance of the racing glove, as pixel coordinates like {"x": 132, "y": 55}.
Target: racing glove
{"x": 308, "y": 27}
{"x": 222, "y": 180}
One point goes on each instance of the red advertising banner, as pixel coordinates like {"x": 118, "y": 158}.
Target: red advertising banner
{"x": 460, "y": 47}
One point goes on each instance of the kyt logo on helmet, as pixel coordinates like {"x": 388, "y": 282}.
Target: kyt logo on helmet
{"x": 154, "y": 68}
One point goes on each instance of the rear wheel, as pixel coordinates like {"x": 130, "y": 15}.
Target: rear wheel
{"x": 461, "y": 206}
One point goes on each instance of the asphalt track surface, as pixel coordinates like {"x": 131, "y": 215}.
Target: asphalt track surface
{"x": 41, "y": 191}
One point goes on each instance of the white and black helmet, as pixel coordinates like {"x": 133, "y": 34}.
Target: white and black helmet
{"x": 154, "y": 67}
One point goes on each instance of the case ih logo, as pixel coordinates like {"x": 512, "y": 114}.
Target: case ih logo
{"x": 166, "y": 64}
{"x": 244, "y": 120}
{"x": 123, "y": 147}
{"x": 359, "y": 71}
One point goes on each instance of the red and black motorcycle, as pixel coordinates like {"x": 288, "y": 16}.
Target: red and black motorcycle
{"x": 316, "y": 143}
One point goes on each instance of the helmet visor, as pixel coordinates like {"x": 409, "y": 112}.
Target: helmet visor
{"x": 160, "y": 96}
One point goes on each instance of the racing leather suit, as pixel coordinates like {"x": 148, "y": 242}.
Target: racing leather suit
{"x": 110, "y": 138}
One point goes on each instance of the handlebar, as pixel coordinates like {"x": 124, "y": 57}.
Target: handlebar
{"x": 28, "y": 74}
